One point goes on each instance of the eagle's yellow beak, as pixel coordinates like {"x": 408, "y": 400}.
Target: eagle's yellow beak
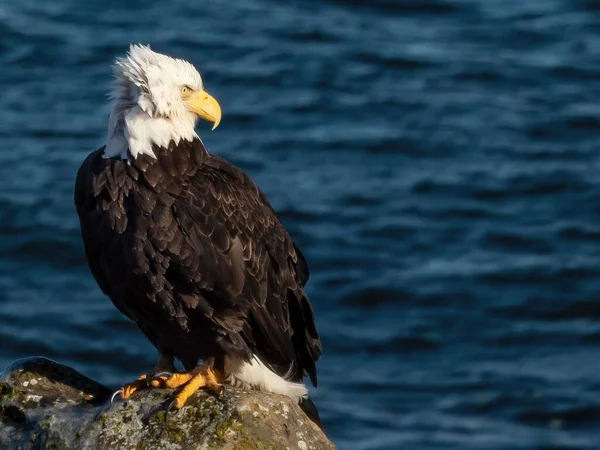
{"x": 204, "y": 106}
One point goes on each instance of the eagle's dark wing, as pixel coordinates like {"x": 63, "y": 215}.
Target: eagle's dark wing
{"x": 237, "y": 264}
{"x": 99, "y": 190}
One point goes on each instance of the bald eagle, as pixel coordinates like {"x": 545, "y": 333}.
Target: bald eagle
{"x": 188, "y": 247}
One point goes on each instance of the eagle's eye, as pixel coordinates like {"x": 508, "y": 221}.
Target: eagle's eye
{"x": 185, "y": 90}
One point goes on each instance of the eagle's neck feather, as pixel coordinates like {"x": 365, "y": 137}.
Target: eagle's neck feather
{"x": 133, "y": 129}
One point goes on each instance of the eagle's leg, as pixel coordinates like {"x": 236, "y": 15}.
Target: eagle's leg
{"x": 202, "y": 376}
{"x": 164, "y": 364}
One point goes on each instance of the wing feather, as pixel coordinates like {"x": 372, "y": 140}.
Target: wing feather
{"x": 254, "y": 268}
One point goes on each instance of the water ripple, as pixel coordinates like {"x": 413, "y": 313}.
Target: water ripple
{"x": 435, "y": 160}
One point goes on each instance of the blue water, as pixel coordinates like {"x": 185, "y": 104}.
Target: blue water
{"x": 437, "y": 161}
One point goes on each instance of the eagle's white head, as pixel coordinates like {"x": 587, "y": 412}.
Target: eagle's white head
{"x": 156, "y": 100}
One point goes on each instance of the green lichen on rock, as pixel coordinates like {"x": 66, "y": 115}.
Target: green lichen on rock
{"x": 45, "y": 405}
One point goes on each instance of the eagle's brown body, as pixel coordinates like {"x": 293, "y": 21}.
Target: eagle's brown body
{"x": 190, "y": 249}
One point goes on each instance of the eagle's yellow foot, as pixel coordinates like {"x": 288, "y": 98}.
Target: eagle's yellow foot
{"x": 126, "y": 391}
{"x": 171, "y": 380}
{"x": 204, "y": 377}
{"x": 130, "y": 388}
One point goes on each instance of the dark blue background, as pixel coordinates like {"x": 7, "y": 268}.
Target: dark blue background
{"x": 437, "y": 161}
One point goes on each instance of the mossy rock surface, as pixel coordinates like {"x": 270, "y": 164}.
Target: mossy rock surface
{"x": 46, "y": 405}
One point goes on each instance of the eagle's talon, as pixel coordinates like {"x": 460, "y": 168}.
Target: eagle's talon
{"x": 171, "y": 380}
{"x": 159, "y": 375}
{"x": 172, "y": 406}
{"x": 159, "y": 379}
{"x": 112, "y": 397}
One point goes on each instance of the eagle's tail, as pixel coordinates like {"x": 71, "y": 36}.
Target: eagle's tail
{"x": 310, "y": 409}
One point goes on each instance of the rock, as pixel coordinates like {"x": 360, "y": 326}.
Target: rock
{"x": 46, "y": 405}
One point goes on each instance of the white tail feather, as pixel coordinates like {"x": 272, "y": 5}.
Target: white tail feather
{"x": 259, "y": 376}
